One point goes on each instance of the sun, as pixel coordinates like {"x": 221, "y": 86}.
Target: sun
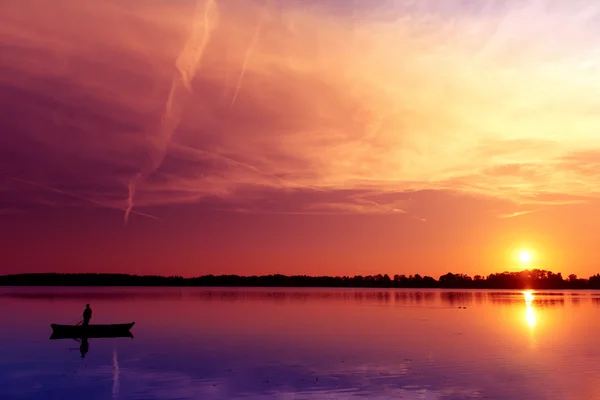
{"x": 525, "y": 256}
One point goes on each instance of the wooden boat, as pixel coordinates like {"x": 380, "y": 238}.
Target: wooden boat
{"x": 91, "y": 331}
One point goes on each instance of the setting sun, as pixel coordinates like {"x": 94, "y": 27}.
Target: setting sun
{"x": 525, "y": 257}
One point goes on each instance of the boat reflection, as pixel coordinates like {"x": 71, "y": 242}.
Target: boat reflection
{"x": 100, "y": 335}
{"x": 83, "y": 337}
{"x": 84, "y": 347}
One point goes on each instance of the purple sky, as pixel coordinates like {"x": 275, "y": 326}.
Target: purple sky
{"x": 176, "y": 137}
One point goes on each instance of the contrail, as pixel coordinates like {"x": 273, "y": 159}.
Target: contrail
{"x": 248, "y": 55}
{"x": 518, "y": 213}
{"x": 205, "y": 21}
{"x": 131, "y": 188}
{"x": 77, "y": 196}
{"x": 116, "y": 373}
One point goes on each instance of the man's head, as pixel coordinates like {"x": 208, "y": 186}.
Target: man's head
{"x": 87, "y": 306}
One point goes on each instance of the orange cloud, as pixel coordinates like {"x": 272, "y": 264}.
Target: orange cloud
{"x": 494, "y": 102}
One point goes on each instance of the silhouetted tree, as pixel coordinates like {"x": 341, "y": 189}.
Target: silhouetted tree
{"x": 528, "y": 279}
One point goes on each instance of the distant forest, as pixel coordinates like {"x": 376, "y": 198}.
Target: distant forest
{"x": 528, "y": 279}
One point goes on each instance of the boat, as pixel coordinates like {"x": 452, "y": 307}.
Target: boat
{"x": 91, "y": 331}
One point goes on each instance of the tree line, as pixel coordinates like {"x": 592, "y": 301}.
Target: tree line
{"x": 528, "y": 279}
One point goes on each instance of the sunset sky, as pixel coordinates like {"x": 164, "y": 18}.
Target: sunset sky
{"x": 320, "y": 137}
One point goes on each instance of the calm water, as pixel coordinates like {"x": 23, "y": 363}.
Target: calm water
{"x": 303, "y": 344}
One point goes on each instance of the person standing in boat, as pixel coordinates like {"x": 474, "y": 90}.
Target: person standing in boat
{"x": 87, "y": 315}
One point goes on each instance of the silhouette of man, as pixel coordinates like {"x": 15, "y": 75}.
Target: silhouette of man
{"x": 87, "y": 315}
{"x": 83, "y": 349}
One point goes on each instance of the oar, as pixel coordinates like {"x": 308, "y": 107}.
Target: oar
{"x": 77, "y": 324}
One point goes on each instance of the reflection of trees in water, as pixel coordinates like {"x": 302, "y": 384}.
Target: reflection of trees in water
{"x": 293, "y": 295}
{"x": 457, "y": 298}
{"x": 412, "y": 297}
{"x": 505, "y": 297}
{"x": 549, "y": 302}
{"x": 549, "y": 299}
{"x": 540, "y": 300}
{"x": 399, "y": 296}
{"x": 378, "y": 296}
{"x": 596, "y": 301}
{"x": 480, "y": 297}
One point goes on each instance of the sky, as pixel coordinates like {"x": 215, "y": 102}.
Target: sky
{"x": 247, "y": 137}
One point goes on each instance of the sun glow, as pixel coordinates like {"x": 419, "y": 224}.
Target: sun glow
{"x": 525, "y": 256}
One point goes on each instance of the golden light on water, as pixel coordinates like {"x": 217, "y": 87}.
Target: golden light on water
{"x": 528, "y": 296}
{"x": 530, "y": 316}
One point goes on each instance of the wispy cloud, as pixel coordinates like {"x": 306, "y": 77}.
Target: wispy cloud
{"x": 248, "y": 55}
{"x": 462, "y": 104}
{"x": 205, "y": 21}
{"x": 517, "y": 214}
{"x": 99, "y": 203}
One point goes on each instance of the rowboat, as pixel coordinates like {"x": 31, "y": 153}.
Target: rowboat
{"x": 91, "y": 331}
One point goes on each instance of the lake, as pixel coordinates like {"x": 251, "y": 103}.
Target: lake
{"x": 264, "y": 343}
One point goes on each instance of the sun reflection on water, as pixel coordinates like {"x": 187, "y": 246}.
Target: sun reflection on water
{"x": 528, "y": 296}
{"x": 530, "y": 316}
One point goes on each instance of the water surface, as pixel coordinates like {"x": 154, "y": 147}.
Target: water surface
{"x": 197, "y": 343}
